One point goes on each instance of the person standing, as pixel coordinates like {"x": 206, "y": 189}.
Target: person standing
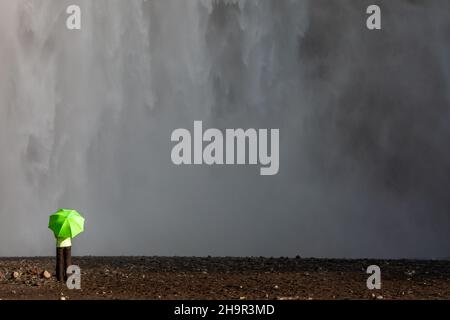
{"x": 66, "y": 224}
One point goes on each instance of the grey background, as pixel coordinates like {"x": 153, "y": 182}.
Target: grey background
{"x": 86, "y": 118}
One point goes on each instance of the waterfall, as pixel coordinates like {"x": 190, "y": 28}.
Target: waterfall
{"x": 86, "y": 118}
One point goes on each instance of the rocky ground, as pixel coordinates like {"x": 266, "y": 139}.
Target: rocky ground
{"x": 224, "y": 278}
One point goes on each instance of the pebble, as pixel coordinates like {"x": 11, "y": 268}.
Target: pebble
{"x": 15, "y": 275}
{"x": 46, "y": 274}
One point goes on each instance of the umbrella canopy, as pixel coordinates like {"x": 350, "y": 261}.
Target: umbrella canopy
{"x": 66, "y": 223}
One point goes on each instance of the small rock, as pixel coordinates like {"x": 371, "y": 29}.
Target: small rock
{"x": 62, "y": 298}
{"x": 380, "y": 297}
{"x": 15, "y": 275}
{"x": 276, "y": 287}
{"x": 242, "y": 298}
{"x": 410, "y": 273}
{"x": 46, "y": 274}
{"x": 288, "y": 298}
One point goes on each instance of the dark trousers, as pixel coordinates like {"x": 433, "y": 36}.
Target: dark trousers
{"x": 63, "y": 261}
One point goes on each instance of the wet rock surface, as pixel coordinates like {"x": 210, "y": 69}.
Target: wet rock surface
{"x": 225, "y": 278}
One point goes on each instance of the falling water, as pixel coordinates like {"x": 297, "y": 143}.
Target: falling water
{"x": 86, "y": 118}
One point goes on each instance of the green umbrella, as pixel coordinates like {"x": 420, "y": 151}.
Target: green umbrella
{"x": 66, "y": 223}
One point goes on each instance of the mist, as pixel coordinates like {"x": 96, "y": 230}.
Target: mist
{"x": 86, "y": 118}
